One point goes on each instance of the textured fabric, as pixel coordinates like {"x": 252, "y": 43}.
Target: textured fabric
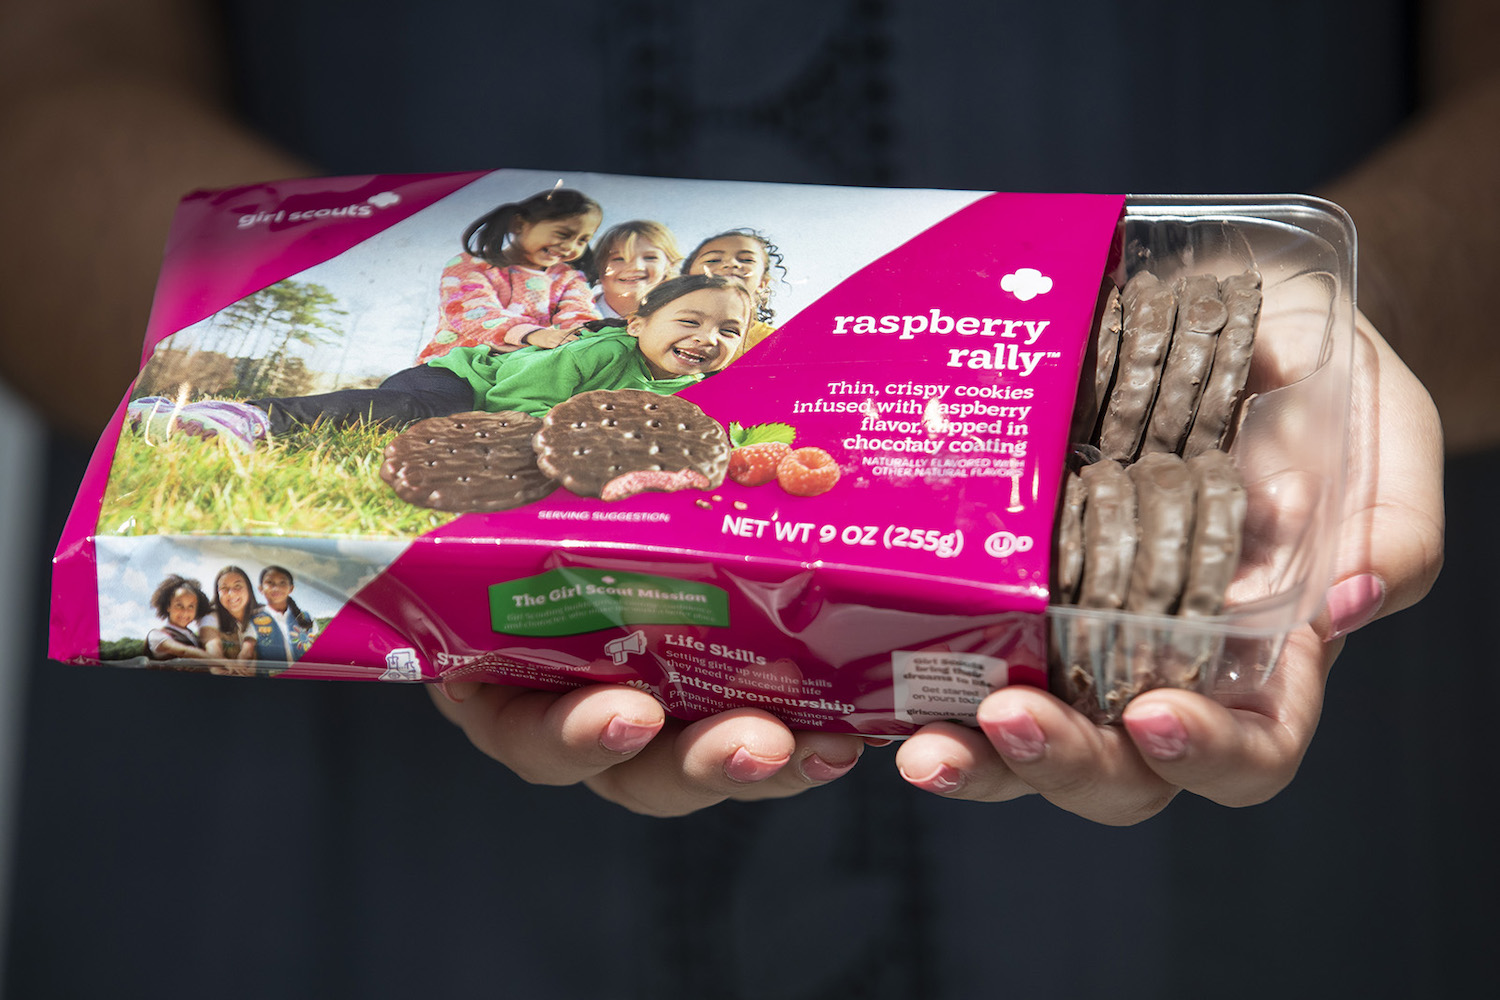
{"x": 280, "y": 638}
{"x": 534, "y": 379}
{"x": 233, "y": 638}
{"x": 407, "y": 396}
{"x": 238, "y": 424}
{"x": 1094, "y": 95}
{"x": 496, "y": 307}
{"x": 162, "y": 633}
{"x": 758, "y": 331}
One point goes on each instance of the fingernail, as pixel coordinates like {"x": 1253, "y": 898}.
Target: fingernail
{"x": 458, "y": 691}
{"x": 747, "y": 768}
{"x": 1017, "y": 737}
{"x": 624, "y": 736}
{"x": 815, "y": 768}
{"x": 945, "y": 780}
{"x": 877, "y": 741}
{"x": 1158, "y": 734}
{"x": 1354, "y": 603}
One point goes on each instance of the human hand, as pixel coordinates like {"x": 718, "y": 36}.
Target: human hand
{"x": 548, "y": 337}
{"x": 618, "y": 741}
{"x": 1244, "y": 747}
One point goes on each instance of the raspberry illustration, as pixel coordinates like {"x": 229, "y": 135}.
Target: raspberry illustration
{"x": 807, "y": 472}
{"x": 755, "y": 464}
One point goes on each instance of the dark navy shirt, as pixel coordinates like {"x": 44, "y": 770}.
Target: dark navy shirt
{"x": 1145, "y": 96}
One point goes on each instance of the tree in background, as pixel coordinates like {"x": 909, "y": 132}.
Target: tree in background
{"x": 247, "y": 348}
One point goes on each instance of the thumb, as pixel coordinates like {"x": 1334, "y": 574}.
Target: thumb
{"x": 1391, "y": 540}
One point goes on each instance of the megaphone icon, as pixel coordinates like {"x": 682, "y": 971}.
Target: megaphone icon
{"x": 620, "y": 649}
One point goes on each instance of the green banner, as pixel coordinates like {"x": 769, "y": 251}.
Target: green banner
{"x": 573, "y": 601}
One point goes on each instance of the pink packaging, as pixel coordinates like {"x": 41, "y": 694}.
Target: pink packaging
{"x": 927, "y": 343}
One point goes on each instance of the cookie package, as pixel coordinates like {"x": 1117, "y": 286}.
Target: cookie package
{"x": 856, "y": 457}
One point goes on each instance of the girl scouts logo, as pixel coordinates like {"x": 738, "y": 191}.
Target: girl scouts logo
{"x": 384, "y": 199}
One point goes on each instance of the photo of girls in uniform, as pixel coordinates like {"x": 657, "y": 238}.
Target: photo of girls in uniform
{"x": 246, "y": 620}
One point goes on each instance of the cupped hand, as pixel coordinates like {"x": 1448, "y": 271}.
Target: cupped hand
{"x": 1242, "y": 748}
{"x": 618, "y": 741}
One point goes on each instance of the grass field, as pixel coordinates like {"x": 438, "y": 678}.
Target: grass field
{"x": 324, "y": 482}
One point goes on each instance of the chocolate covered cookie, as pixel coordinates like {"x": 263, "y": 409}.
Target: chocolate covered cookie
{"x": 1200, "y": 317}
{"x": 1218, "y": 532}
{"x": 615, "y": 443}
{"x": 1110, "y": 533}
{"x": 468, "y": 462}
{"x": 1067, "y": 560}
{"x": 1097, "y": 375}
{"x": 1149, "y": 311}
{"x": 1164, "y": 516}
{"x": 1107, "y": 344}
{"x": 1241, "y": 295}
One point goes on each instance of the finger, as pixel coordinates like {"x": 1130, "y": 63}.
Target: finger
{"x": 552, "y": 738}
{"x": 957, "y": 762}
{"x": 1029, "y": 742}
{"x": 1249, "y": 748}
{"x": 699, "y": 764}
{"x": 1391, "y": 540}
{"x": 817, "y": 759}
{"x": 1090, "y": 770}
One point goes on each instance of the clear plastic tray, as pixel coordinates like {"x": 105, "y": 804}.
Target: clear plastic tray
{"x": 1290, "y": 446}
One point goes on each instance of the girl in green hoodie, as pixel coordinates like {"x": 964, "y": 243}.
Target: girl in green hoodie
{"x": 686, "y": 329}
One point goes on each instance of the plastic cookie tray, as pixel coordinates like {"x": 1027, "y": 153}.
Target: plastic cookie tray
{"x": 1289, "y": 448}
